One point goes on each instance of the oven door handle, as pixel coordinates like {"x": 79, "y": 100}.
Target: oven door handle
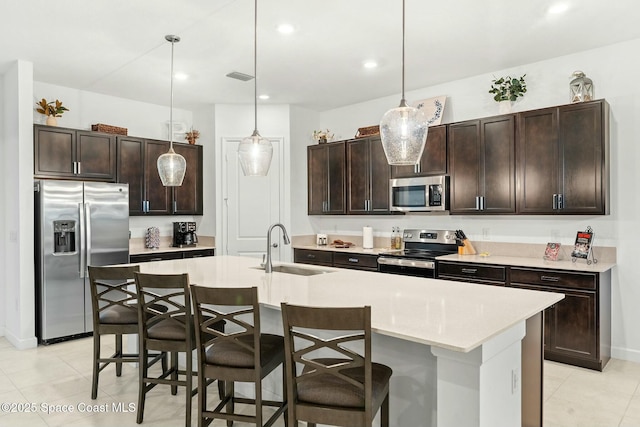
{"x": 403, "y": 262}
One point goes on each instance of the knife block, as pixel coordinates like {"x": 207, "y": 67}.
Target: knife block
{"x": 466, "y": 248}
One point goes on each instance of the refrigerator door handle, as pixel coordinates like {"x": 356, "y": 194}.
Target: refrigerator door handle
{"x": 87, "y": 234}
{"x": 81, "y": 239}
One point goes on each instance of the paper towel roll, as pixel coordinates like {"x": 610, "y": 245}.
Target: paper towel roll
{"x": 367, "y": 237}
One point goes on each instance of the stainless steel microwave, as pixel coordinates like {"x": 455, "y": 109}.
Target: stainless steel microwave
{"x": 420, "y": 194}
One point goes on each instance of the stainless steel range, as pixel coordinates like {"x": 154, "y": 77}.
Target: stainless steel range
{"x": 421, "y": 247}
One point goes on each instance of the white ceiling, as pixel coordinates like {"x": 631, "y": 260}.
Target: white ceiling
{"x": 117, "y": 47}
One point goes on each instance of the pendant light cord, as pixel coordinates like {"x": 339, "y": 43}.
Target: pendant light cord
{"x": 255, "y": 68}
{"x": 171, "y": 103}
{"x": 403, "y": 18}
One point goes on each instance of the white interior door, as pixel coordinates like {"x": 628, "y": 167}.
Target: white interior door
{"x": 251, "y": 204}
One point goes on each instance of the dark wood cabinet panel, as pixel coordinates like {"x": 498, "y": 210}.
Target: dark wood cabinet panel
{"x": 326, "y": 178}
{"x": 482, "y": 163}
{"x": 130, "y": 165}
{"x": 434, "y": 157}
{"x": 96, "y": 155}
{"x": 163, "y": 256}
{"x": 476, "y": 273}
{"x": 137, "y": 166}
{"x": 368, "y": 175}
{"x": 310, "y": 256}
{"x": 563, "y": 165}
{"x": 355, "y": 261}
{"x": 187, "y": 199}
{"x": 157, "y": 196}
{"x": 73, "y": 154}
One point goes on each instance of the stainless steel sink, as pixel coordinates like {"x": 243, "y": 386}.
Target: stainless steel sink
{"x": 300, "y": 271}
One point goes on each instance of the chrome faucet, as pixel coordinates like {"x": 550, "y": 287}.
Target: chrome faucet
{"x": 285, "y": 237}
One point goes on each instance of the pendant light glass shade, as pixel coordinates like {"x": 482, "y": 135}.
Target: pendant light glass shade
{"x": 255, "y": 152}
{"x": 403, "y": 130}
{"x": 171, "y": 165}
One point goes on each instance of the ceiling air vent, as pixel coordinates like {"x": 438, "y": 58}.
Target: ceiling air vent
{"x": 240, "y": 76}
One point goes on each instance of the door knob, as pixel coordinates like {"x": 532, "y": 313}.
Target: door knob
{"x": 275, "y": 245}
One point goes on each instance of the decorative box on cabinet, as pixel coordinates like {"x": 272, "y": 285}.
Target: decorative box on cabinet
{"x": 434, "y": 157}
{"x": 326, "y": 179}
{"x": 482, "y": 164}
{"x": 73, "y": 154}
{"x": 368, "y": 174}
{"x": 563, "y": 160}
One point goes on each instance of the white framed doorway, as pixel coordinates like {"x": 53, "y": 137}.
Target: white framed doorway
{"x": 249, "y": 205}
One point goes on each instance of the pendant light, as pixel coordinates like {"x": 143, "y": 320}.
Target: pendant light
{"x": 403, "y": 130}
{"x": 171, "y": 165}
{"x": 255, "y": 152}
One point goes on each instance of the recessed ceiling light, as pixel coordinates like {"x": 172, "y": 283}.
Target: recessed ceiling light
{"x": 558, "y": 8}
{"x": 263, "y": 97}
{"x": 181, "y": 76}
{"x": 370, "y": 64}
{"x": 286, "y": 29}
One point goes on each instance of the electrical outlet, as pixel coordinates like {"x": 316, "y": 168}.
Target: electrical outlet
{"x": 13, "y": 236}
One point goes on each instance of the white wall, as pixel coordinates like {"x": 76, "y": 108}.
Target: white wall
{"x": 4, "y": 229}
{"x": 18, "y": 272}
{"x": 237, "y": 121}
{"x": 613, "y": 70}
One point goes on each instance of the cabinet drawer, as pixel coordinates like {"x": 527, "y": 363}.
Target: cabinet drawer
{"x": 161, "y": 256}
{"x": 554, "y": 278}
{"x": 309, "y": 256}
{"x": 199, "y": 253}
{"x": 356, "y": 261}
{"x": 474, "y": 272}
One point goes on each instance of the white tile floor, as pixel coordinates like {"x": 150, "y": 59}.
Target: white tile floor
{"x": 59, "y": 376}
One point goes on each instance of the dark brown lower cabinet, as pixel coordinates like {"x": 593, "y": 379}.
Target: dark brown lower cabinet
{"x": 329, "y": 258}
{"x": 578, "y": 328}
{"x": 163, "y": 256}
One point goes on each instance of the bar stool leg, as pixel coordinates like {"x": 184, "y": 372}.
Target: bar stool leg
{"x": 118, "y": 354}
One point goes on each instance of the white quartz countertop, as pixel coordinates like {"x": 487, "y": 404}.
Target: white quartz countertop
{"x": 143, "y": 251}
{"x": 453, "y": 315}
{"x": 579, "y": 265}
{"x": 352, "y": 249}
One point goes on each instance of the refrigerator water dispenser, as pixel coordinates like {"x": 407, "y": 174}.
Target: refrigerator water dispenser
{"x": 64, "y": 236}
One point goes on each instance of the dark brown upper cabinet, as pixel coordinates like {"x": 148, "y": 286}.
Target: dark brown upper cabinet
{"x": 482, "y": 164}
{"x": 326, "y": 178}
{"x": 187, "y": 199}
{"x": 137, "y": 166}
{"x": 368, "y": 175}
{"x": 434, "y": 157}
{"x": 563, "y": 165}
{"x": 73, "y": 154}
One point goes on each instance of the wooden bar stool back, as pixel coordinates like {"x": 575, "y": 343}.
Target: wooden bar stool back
{"x": 239, "y": 354}
{"x": 330, "y": 376}
{"x": 114, "y": 312}
{"x": 165, "y": 324}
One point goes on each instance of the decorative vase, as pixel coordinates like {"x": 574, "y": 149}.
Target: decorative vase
{"x": 192, "y": 141}
{"x": 51, "y": 121}
{"x": 322, "y": 141}
{"x": 504, "y": 107}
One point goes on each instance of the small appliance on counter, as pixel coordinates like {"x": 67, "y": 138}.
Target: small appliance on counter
{"x": 184, "y": 234}
{"x": 321, "y": 239}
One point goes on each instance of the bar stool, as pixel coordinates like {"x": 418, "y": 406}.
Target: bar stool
{"x": 168, "y": 330}
{"x": 114, "y": 312}
{"x": 344, "y": 390}
{"x": 240, "y": 353}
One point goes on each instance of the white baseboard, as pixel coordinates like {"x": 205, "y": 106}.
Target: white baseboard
{"x": 21, "y": 344}
{"x": 625, "y": 354}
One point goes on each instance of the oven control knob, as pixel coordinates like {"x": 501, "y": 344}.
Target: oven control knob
{"x": 407, "y": 235}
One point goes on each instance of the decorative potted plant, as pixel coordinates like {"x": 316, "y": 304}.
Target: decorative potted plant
{"x": 192, "y": 135}
{"x": 508, "y": 89}
{"x": 322, "y": 136}
{"x": 51, "y": 109}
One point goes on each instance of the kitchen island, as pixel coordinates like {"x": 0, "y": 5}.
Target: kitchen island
{"x": 455, "y": 348}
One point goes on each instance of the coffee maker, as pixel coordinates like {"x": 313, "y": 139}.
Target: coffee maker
{"x": 184, "y": 234}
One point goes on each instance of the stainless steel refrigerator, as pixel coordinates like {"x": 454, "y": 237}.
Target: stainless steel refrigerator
{"x": 77, "y": 224}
